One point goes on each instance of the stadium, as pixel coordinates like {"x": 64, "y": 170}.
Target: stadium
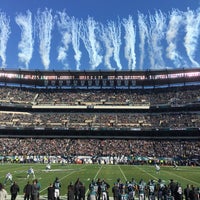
{"x": 100, "y": 118}
{"x": 99, "y": 100}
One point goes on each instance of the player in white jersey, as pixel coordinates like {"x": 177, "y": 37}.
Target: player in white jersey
{"x": 175, "y": 166}
{"x": 30, "y": 172}
{"x": 157, "y": 167}
{"x": 141, "y": 190}
{"x": 48, "y": 167}
{"x": 8, "y": 178}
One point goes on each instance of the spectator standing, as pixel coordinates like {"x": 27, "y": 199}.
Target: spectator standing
{"x": 104, "y": 189}
{"x": 51, "y": 192}
{"x": 160, "y": 189}
{"x": 14, "y": 189}
{"x": 70, "y": 191}
{"x": 99, "y": 189}
{"x": 82, "y": 191}
{"x": 124, "y": 195}
{"x": 39, "y": 187}
{"x": 76, "y": 188}
{"x": 179, "y": 192}
{"x": 116, "y": 192}
{"x": 151, "y": 190}
{"x": 93, "y": 187}
{"x": 142, "y": 190}
{"x": 187, "y": 192}
{"x": 169, "y": 195}
{"x": 192, "y": 193}
{"x": 3, "y": 193}
{"x": 196, "y": 193}
{"x": 132, "y": 187}
{"x": 34, "y": 191}
{"x": 172, "y": 187}
{"x": 27, "y": 191}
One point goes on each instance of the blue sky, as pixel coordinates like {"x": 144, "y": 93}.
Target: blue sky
{"x": 99, "y": 34}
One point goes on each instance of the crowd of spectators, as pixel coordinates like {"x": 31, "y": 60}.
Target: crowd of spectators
{"x": 174, "y": 95}
{"x": 99, "y": 147}
{"x": 98, "y": 120}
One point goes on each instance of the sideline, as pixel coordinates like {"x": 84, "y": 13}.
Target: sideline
{"x": 44, "y": 197}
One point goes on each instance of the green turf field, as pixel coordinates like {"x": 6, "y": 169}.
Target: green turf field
{"x": 110, "y": 173}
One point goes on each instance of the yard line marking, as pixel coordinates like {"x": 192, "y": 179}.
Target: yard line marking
{"x": 94, "y": 178}
{"x": 98, "y": 172}
{"x": 146, "y": 172}
{"x": 122, "y": 173}
{"x": 173, "y": 174}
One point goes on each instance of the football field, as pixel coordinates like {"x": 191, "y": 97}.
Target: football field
{"x": 87, "y": 172}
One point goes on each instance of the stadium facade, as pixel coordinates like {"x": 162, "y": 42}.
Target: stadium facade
{"x": 100, "y": 79}
{"x": 111, "y": 81}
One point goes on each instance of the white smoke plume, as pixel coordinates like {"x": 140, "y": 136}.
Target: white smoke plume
{"x": 175, "y": 22}
{"x": 45, "y": 22}
{"x": 64, "y": 25}
{"x": 105, "y": 37}
{"x": 105, "y": 42}
{"x": 89, "y": 36}
{"x": 156, "y": 35}
{"x": 192, "y": 25}
{"x": 75, "y": 28}
{"x": 115, "y": 36}
{"x": 143, "y": 34}
{"x": 130, "y": 40}
{"x": 25, "y": 46}
{"x": 4, "y": 36}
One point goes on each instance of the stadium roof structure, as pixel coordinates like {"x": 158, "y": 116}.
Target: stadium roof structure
{"x": 99, "y": 79}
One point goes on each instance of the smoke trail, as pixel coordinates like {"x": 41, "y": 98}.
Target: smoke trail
{"x": 26, "y": 44}
{"x": 156, "y": 34}
{"x": 115, "y": 36}
{"x": 88, "y": 35}
{"x": 75, "y": 28}
{"x": 44, "y": 22}
{"x": 192, "y": 23}
{"x": 105, "y": 37}
{"x": 4, "y": 35}
{"x": 64, "y": 25}
{"x": 130, "y": 34}
{"x": 143, "y": 33}
{"x": 175, "y": 21}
